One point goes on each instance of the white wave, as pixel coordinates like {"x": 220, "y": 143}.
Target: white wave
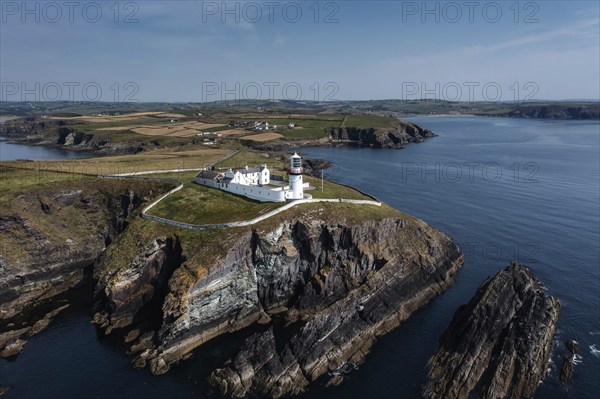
{"x": 595, "y": 351}
{"x": 577, "y": 359}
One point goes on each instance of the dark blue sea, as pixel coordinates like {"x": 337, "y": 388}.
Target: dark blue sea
{"x": 502, "y": 188}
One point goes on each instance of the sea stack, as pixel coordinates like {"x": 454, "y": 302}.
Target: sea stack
{"x": 498, "y": 345}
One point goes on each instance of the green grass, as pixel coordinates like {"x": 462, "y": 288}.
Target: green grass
{"x": 126, "y": 135}
{"x": 254, "y": 158}
{"x": 35, "y": 197}
{"x": 304, "y": 133}
{"x": 310, "y": 126}
{"x": 198, "y": 204}
{"x": 203, "y": 248}
{"x": 333, "y": 190}
{"x": 196, "y": 157}
{"x": 367, "y": 121}
{"x": 15, "y": 181}
{"x": 122, "y": 136}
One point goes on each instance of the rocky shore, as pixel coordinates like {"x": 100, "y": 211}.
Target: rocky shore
{"x": 397, "y": 136}
{"x": 65, "y": 134}
{"x": 394, "y": 137}
{"x": 344, "y": 284}
{"x": 62, "y": 134}
{"x": 324, "y": 281}
{"x": 51, "y": 239}
{"x": 498, "y": 345}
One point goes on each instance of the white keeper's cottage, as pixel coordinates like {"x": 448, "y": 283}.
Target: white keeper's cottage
{"x": 258, "y": 184}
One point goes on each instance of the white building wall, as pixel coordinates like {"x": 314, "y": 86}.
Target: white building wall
{"x": 256, "y": 193}
{"x": 265, "y": 177}
{"x": 246, "y": 178}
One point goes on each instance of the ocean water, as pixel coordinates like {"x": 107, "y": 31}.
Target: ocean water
{"x": 502, "y": 188}
{"x": 11, "y": 152}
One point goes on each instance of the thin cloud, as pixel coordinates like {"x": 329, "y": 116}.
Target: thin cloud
{"x": 584, "y": 29}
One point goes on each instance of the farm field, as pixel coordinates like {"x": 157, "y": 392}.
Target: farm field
{"x": 264, "y": 137}
{"x": 155, "y": 160}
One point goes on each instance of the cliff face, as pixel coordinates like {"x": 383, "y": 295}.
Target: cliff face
{"x": 325, "y": 283}
{"x": 58, "y": 133}
{"x": 393, "y": 137}
{"x": 340, "y": 284}
{"x": 75, "y": 140}
{"x": 50, "y": 239}
{"x": 498, "y": 345}
{"x": 126, "y": 296}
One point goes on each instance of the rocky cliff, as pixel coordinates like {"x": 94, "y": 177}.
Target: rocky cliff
{"x": 338, "y": 285}
{"x": 51, "y": 237}
{"x": 498, "y": 345}
{"x": 127, "y": 296}
{"x": 391, "y": 137}
{"x": 64, "y": 135}
{"x": 323, "y": 280}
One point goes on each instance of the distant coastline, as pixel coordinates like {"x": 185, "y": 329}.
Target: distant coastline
{"x": 542, "y": 109}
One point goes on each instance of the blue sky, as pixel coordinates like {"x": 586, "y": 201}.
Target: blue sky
{"x": 349, "y": 50}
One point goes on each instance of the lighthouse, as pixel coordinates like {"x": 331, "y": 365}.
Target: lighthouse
{"x": 295, "y": 176}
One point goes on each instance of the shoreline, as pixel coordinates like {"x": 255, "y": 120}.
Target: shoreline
{"x": 270, "y": 146}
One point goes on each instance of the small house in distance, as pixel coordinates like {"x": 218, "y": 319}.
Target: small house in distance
{"x": 258, "y": 184}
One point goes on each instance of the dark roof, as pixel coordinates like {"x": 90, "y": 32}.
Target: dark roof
{"x": 207, "y": 175}
{"x": 245, "y": 171}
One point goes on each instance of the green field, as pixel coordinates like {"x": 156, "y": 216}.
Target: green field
{"x": 332, "y": 190}
{"x": 197, "y": 204}
{"x": 196, "y": 157}
{"x": 15, "y": 181}
{"x": 367, "y": 121}
{"x": 276, "y": 162}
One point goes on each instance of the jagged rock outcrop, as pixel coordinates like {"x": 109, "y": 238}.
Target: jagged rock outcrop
{"x": 498, "y": 345}
{"x": 345, "y": 283}
{"x": 122, "y": 295}
{"x": 50, "y": 265}
{"x": 314, "y": 167}
{"x": 12, "y": 341}
{"x": 70, "y": 137}
{"x": 569, "y": 361}
{"x": 13, "y": 348}
{"x": 392, "y": 137}
{"x": 333, "y": 282}
{"x": 258, "y": 368}
{"x": 50, "y": 239}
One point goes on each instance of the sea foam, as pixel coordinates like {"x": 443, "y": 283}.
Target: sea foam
{"x": 595, "y": 351}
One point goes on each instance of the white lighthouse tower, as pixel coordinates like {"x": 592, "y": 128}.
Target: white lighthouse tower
{"x": 295, "y": 176}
